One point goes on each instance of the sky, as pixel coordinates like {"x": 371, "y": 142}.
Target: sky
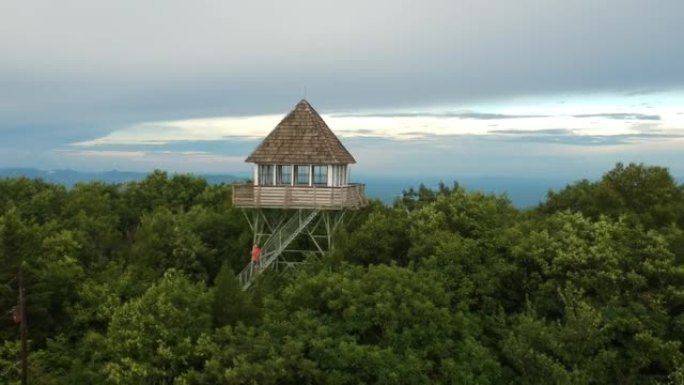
{"x": 525, "y": 88}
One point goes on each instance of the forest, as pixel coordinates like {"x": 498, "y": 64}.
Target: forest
{"x": 136, "y": 283}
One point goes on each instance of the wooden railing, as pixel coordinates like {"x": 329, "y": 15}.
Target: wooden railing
{"x": 299, "y": 197}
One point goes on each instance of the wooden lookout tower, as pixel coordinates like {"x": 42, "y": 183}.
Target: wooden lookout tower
{"x": 300, "y": 192}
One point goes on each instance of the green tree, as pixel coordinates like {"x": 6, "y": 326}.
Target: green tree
{"x": 152, "y": 338}
{"x": 225, "y": 233}
{"x": 10, "y": 367}
{"x": 34, "y": 199}
{"x": 164, "y": 240}
{"x": 381, "y": 238}
{"x": 89, "y": 213}
{"x": 471, "y": 215}
{"x": 19, "y": 250}
{"x": 648, "y": 195}
{"x": 606, "y": 282}
{"x": 231, "y": 304}
{"x": 380, "y": 325}
{"x": 56, "y": 275}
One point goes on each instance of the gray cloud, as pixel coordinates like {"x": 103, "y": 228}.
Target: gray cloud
{"x": 208, "y": 56}
{"x": 486, "y": 143}
{"x": 362, "y": 131}
{"x": 460, "y": 115}
{"x": 226, "y": 146}
{"x": 463, "y": 155}
{"x": 572, "y": 140}
{"x": 548, "y": 131}
{"x": 620, "y": 116}
{"x": 570, "y": 137}
{"x": 643, "y": 91}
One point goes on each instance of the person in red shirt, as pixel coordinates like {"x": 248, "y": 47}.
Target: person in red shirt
{"x": 256, "y": 255}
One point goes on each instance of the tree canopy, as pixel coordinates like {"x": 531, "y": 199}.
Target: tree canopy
{"x": 135, "y": 284}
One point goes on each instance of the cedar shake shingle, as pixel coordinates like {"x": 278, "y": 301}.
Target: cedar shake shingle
{"x": 302, "y": 137}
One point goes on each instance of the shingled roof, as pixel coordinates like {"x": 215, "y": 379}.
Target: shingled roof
{"x": 302, "y": 137}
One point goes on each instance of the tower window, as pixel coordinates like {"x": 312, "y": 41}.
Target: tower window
{"x": 266, "y": 174}
{"x": 302, "y": 174}
{"x": 320, "y": 175}
{"x": 284, "y": 175}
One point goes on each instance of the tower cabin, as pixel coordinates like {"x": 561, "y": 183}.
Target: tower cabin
{"x": 301, "y": 164}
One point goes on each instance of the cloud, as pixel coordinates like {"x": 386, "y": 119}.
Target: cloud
{"x": 454, "y": 157}
{"x": 459, "y": 115}
{"x": 572, "y": 137}
{"x": 121, "y": 83}
{"x": 643, "y": 91}
{"x": 570, "y": 140}
{"x": 77, "y": 71}
{"x": 198, "y": 130}
{"x": 106, "y": 154}
{"x": 548, "y": 131}
{"x": 362, "y": 131}
{"x": 183, "y": 161}
{"x": 620, "y": 116}
{"x": 524, "y": 122}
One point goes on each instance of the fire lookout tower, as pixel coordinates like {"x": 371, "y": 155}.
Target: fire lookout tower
{"x": 301, "y": 191}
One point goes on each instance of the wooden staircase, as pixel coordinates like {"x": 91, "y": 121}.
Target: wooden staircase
{"x": 274, "y": 246}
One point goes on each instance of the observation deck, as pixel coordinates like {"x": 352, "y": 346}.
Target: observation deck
{"x": 351, "y": 196}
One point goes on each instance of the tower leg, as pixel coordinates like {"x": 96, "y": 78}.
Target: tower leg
{"x": 275, "y": 231}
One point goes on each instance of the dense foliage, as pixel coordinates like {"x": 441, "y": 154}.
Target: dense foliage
{"x": 135, "y": 284}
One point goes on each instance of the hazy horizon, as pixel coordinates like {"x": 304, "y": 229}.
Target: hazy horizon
{"x": 523, "y": 192}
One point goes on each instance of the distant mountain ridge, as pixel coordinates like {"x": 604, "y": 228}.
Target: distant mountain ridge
{"x": 523, "y": 192}
{"x": 68, "y": 177}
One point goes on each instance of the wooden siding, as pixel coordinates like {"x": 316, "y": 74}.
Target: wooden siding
{"x": 299, "y": 197}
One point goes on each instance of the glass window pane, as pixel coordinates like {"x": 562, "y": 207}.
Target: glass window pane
{"x": 320, "y": 175}
{"x": 266, "y": 175}
{"x": 302, "y": 174}
{"x": 284, "y": 175}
